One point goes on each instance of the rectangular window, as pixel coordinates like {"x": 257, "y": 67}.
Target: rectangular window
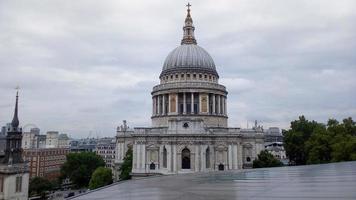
{"x": 18, "y": 183}
{"x": 195, "y": 108}
{"x": 188, "y": 108}
{"x": 1, "y": 184}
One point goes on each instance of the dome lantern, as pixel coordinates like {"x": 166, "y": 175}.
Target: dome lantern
{"x": 188, "y": 34}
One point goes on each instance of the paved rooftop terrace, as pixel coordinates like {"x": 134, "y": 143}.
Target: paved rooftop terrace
{"x": 328, "y": 181}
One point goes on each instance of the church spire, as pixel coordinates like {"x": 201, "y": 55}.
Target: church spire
{"x": 15, "y": 120}
{"x": 188, "y": 29}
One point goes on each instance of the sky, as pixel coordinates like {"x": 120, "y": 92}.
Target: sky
{"x": 84, "y": 66}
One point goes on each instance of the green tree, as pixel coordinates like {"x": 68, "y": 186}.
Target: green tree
{"x": 350, "y": 126}
{"x": 39, "y": 186}
{"x": 266, "y": 159}
{"x": 318, "y": 146}
{"x": 294, "y": 147}
{"x": 309, "y": 142}
{"x": 295, "y": 139}
{"x": 126, "y": 166}
{"x": 344, "y": 148}
{"x": 101, "y": 176}
{"x": 80, "y": 166}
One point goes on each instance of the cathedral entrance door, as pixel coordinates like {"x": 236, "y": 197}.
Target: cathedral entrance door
{"x": 221, "y": 167}
{"x": 152, "y": 166}
{"x": 185, "y": 158}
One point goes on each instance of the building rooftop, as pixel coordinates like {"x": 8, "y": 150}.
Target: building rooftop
{"x": 327, "y": 181}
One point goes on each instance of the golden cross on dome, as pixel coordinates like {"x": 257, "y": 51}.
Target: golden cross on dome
{"x": 188, "y": 5}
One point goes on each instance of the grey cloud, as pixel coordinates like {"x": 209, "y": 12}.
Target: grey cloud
{"x": 84, "y": 66}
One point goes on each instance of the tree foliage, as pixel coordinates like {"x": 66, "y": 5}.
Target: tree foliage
{"x": 266, "y": 159}
{"x": 126, "y": 166}
{"x": 80, "y": 166}
{"x": 39, "y": 186}
{"x": 101, "y": 176}
{"x": 310, "y": 142}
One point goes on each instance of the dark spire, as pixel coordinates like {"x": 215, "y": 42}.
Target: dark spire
{"x": 188, "y": 29}
{"x": 15, "y": 120}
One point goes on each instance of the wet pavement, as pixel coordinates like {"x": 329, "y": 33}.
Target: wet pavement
{"x": 328, "y": 181}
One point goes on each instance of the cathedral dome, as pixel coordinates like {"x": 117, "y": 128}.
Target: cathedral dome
{"x": 189, "y": 56}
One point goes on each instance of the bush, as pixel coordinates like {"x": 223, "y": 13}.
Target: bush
{"x": 102, "y": 176}
{"x": 39, "y": 186}
{"x": 266, "y": 159}
{"x": 80, "y": 166}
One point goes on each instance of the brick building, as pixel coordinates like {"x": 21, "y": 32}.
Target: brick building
{"x": 45, "y": 162}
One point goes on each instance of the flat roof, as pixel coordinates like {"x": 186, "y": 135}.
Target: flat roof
{"x": 326, "y": 181}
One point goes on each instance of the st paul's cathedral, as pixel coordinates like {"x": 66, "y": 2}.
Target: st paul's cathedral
{"x": 189, "y": 131}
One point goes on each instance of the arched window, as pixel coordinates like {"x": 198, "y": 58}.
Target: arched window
{"x": 185, "y": 158}
{"x": 164, "y": 157}
{"x": 248, "y": 159}
{"x": 207, "y": 158}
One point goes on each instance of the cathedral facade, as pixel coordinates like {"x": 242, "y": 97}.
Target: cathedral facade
{"x": 189, "y": 130}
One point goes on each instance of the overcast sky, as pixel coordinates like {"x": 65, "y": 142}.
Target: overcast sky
{"x": 84, "y": 66}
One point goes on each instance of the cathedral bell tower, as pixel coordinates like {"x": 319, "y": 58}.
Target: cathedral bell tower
{"x": 13, "y": 150}
{"x": 14, "y": 174}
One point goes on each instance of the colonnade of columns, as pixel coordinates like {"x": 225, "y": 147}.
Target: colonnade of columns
{"x": 188, "y": 103}
{"x": 169, "y": 158}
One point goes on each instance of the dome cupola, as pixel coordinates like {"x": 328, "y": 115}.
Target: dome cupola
{"x": 189, "y": 88}
{"x": 189, "y": 57}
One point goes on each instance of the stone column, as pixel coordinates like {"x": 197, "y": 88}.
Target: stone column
{"x": 200, "y": 104}
{"x": 138, "y": 157}
{"x": 157, "y": 111}
{"x": 143, "y": 157}
{"x": 192, "y": 104}
{"x": 164, "y": 104}
{"x": 169, "y": 159}
{"x": 214, "y": 112}
{"x": 158, "y": 104}
{"x": 169, "y": 104}
{"x": 174, "y": 155}
{"x": 240, "y": 155}
{"x": 160, "y": 157}
{"x": 225, "y": 113}
{"x": 184, "y": 104}
{"x": 223, "y": 105}
{"x": 197, "y": 155}
{"x": 134, "y": 156}
{"x": 219, "y": 107}
{"x": 230, "y": 157}
{"x": 202, "y": 157}
{"x": 207, "y": 103}
{"x": 235, "y": 166}
{"x": 153, "y": 106}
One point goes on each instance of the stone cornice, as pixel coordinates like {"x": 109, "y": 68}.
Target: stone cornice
{"x": 189, "y": 85}
{"x": 14, "y": 169}
{"x": 190, "y": 115}
{"x": 188, "y": 69}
